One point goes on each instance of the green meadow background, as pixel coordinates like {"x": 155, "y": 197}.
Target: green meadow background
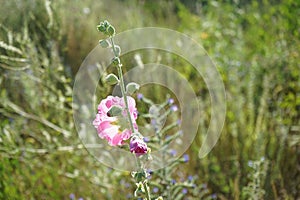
{"x": 254, "y": 44}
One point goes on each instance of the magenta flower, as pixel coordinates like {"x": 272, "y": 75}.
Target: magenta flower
{"x": 138, "y": 146}
{"x": 115, "y": 129}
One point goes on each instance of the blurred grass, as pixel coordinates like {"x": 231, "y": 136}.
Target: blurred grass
{"x": 254, "y": 44}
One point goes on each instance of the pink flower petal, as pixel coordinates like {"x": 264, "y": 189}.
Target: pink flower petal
{"x": 108, "y": 127}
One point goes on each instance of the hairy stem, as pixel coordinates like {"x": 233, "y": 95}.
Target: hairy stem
{"x": 147, "y": 191}
{"x": 122, "y": 85}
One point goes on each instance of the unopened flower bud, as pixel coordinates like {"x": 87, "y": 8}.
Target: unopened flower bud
{"x": 101, "y": 28}
{"x": 110, "y": 30}
{"x": 111, "y": 79}
{"x": 132, "y": 87}
{"x": 104, "y": 43}
{"x": 118, "y": 50}
{"x": 116, "y": 61}
{"x": 106, "y": 23}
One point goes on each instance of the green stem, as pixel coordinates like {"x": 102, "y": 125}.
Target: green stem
{"x": 122, "y": 85}
{"x": 148, "y": 195}
{"x": 147, "y": 191}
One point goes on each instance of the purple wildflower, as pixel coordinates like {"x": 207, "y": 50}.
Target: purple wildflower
{"x": 155, "y": 190}
{"x": 146, "y": 139}
{"x": 170, "y": 101}
{"x": 149, "y": 172}
{"x": 190, "y": 178}
{"x": 72, "y": 196}
{"x": 173, "y": 152}
{"x": 174, "y": 108}
{"x": 140, "y": 96}
{"x": 186, "y": 158}
{"x": 184, "y": 191}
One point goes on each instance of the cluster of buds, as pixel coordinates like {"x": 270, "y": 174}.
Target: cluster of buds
{"x": 106, "y": 28}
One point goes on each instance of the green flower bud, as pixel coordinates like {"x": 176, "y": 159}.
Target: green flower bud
{"x": 118, "y": 50}
{"x": 110, "y": 30}
{"x": 132, "y": 87}
{"x": 111, "y": 79}
{"x": 116, "y": 61}
{"x": 115, "y": 111}
{"x": 101, "y": 28}
{"x": 104, "y": 43}
{"x": 106, "y": 23}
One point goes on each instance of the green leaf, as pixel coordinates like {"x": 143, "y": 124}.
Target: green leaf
{"x": 104, "y": 43}
{"x": 111, "y": 79}
{"x": 132, "y": 87}
{"x": 115, "y": 111}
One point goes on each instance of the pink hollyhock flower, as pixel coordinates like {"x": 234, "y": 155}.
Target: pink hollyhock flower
{"x": 138, "y": 146}
{"x": 115, "y": 129}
